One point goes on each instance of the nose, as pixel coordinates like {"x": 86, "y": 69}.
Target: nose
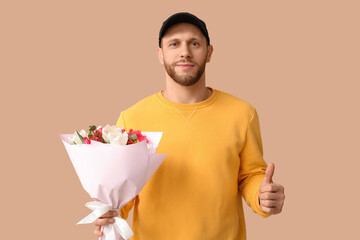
{"x": 185, "y": 51}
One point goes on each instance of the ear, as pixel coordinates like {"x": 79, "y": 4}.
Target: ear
{"x": 160, "y": 55}
{"x": 210, "y": 50}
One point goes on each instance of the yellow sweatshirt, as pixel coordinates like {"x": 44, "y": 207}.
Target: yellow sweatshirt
{"x": 215, "y": 157}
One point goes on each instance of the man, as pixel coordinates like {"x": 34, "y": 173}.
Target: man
{"x": 214, "y": 146}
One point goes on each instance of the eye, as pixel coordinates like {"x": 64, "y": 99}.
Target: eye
{"x": 173, "y": 44}
{"x": 194, "y": 44}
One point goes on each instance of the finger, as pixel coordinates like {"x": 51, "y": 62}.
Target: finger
{"x": 271, "y": 210}
{"x": 273, "y": 187}
{"x": 269, "y": 173}
{"x": 268, "y": 196}
{"x": 109, "y": 214}
{"x": 103, "y": 221}
{"x": 98, "y": 231}
{"x": 266, "y": 209}
{"x": 269, "y": 203}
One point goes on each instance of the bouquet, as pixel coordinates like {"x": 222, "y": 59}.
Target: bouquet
{"x": 113, "y": 166}
{"x": 108, "y": 134}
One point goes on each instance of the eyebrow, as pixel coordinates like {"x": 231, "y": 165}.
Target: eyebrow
{"x": 176, "y": 39}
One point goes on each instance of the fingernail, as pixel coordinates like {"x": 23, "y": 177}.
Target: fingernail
{"x": 111, "y": 220}
{"x": 114, "y": 213}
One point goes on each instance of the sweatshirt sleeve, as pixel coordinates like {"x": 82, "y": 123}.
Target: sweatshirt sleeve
{"x": 252, "y": 165}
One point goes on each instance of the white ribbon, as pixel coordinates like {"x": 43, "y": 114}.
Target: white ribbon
{"x": 120, "y": 224}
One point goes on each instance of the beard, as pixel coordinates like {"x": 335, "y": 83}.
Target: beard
{"x": 186, "y": 79}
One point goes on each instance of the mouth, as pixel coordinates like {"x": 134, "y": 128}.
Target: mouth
{"x": 185, "y": 65}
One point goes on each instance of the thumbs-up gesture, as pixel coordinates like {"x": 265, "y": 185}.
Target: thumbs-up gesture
{"x": 271, "y": 195}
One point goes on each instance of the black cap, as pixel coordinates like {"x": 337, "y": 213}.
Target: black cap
{"x": 183, "y": 17}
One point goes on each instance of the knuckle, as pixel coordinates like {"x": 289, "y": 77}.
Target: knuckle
{"x": 266, "y": 203}
{"x": 100, "y": 222}
{"x": 262, "y": 196}
{"x": 265, "y": 209}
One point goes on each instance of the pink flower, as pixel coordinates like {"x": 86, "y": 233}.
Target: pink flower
{"x": 139, "y": 137}
{"x": 87, "y": 140}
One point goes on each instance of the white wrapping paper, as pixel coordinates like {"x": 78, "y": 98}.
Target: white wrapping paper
{"x": 113, "y": 175}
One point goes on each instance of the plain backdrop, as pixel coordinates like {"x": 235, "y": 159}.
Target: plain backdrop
{"x": 67, "y": 64}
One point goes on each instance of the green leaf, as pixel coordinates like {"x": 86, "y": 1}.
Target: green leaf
{"x": 81, "y": 137}
{"x": 92, "y": 128}
{"x": 133, "y": 137}
{"x": 74, "y": 142}
{"x": 90, "y": 134}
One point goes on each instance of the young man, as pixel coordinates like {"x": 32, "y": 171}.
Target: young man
{"x": 214, "y": 146}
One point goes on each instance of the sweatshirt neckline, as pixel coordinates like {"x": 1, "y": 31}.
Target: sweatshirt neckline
{"x": 190, "y": 106}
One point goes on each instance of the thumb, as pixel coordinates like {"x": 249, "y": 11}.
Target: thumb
{"x": 269, "y": 173}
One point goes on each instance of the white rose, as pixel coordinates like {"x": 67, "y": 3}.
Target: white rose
{"x": 75, "y": 138}
{"x": 114, "y": 135}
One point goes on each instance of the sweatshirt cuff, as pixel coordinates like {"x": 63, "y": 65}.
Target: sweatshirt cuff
{"x": 258, "y": 209}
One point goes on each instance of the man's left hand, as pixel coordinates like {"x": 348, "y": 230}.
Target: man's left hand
{"x": 271, "y": 195}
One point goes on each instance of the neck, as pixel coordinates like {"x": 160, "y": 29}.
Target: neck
{"x": 186, "y": 94}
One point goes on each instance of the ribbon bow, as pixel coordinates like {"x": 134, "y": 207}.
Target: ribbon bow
{"x": 120, "y": 224}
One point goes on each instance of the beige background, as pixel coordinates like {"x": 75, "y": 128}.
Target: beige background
{"x": 67, "y": 64}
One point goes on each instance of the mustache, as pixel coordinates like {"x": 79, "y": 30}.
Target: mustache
{"x": 185, "y": 62}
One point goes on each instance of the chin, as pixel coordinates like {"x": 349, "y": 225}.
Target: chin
{"x": 186, "y": 83}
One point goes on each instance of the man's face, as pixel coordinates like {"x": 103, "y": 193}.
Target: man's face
{"x": 184, "y": 53}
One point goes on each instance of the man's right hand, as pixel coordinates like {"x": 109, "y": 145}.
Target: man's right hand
{"x": 105, "y": 219}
